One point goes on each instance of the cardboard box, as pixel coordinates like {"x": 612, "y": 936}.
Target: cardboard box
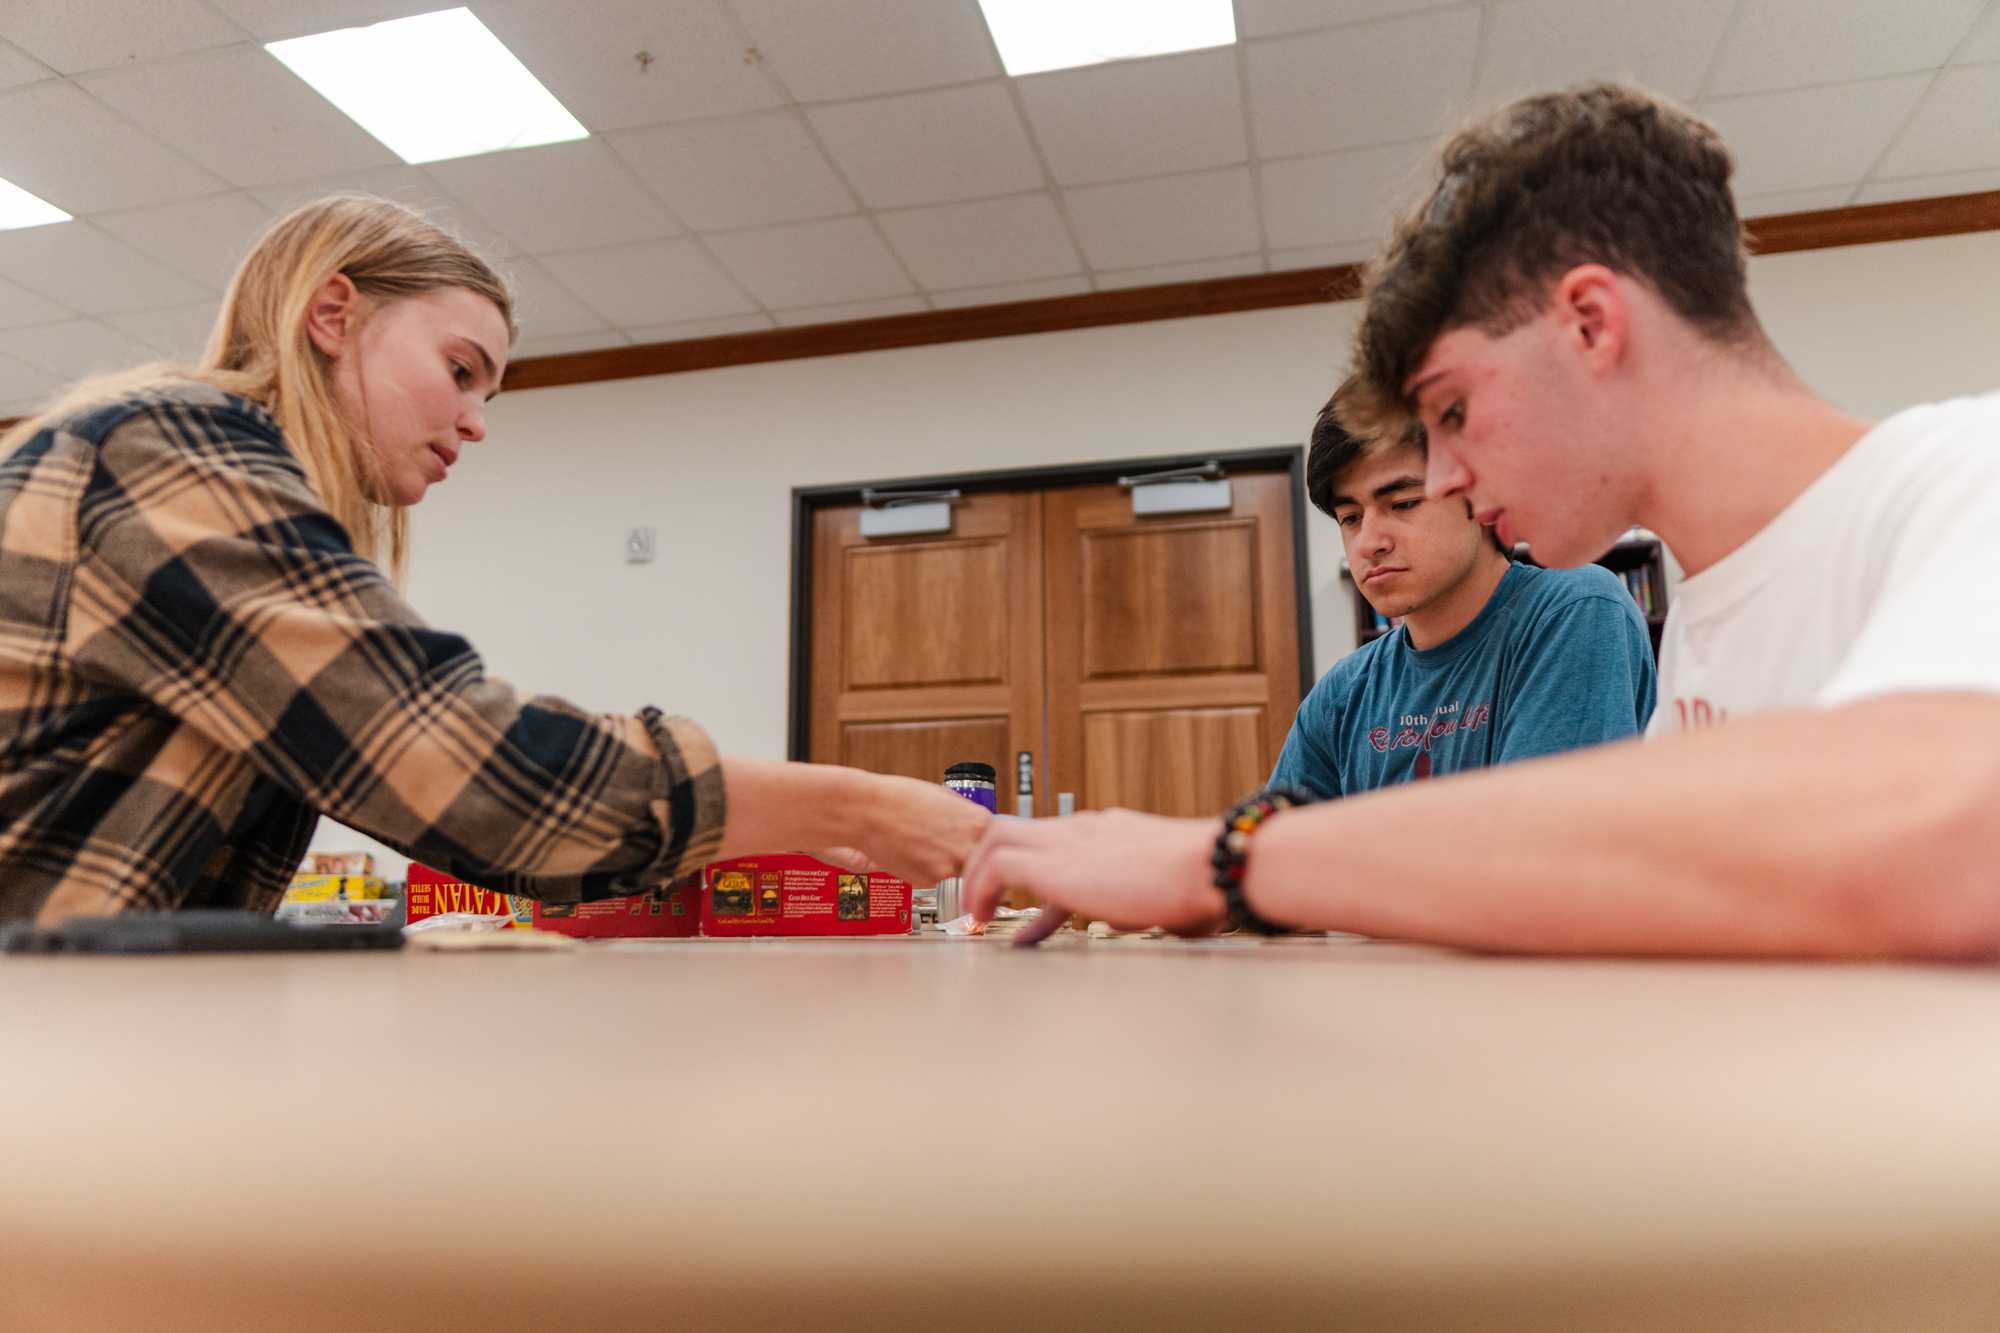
{"x": 782, "y": 893}
{"x": 352, "y": 912}
{"x": 339, "y": 863}
{"x": 788, "y": 893}
{"x": 671, "y": 912}
{"x": 328, "y": 888}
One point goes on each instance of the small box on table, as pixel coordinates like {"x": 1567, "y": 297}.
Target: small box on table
{"x": 789, "y": 893}
{"x": 778, "y": 893}
{"x": 672, "y": 911}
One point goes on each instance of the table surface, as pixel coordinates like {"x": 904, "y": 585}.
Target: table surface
{"x": 955, "y": 1134}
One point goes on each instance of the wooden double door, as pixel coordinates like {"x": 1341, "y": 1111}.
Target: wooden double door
{"x": 1145, "y": 662}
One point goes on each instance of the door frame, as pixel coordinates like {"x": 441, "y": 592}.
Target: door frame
{"x": 807, "y": 501}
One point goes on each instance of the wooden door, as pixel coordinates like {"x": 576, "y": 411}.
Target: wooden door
{"x": 927, "y": 650}
{"x": 1172, "y": 647}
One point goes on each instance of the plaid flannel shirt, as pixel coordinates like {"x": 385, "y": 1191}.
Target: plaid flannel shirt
{"x": 195, "y": 664}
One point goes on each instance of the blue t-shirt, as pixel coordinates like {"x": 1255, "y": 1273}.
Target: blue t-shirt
{"x": 1557, "y": 659}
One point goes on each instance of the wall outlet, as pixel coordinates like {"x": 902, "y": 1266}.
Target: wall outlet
{"x": 641, "y": 544}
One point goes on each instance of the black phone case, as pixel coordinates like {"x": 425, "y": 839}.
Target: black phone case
{"x": 190, "y": 932}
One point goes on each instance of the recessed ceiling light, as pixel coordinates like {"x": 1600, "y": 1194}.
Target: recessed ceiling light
{"x": 1037, "y": 35}
{"x": 431, "y": 87}
{"x": 18, "y": 208}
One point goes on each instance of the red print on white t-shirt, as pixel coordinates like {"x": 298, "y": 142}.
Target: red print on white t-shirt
{"x": 1698, "y": 713}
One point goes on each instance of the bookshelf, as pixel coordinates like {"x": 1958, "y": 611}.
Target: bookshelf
{"x": 1638, "y": 560}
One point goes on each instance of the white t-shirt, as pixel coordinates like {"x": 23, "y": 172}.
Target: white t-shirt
{"x": 1883, "y": 576}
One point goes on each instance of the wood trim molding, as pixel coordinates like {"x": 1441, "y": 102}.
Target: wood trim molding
{"x": 1864, "y": 224}
{"x": 1132, "y": 305}
{"x": 1906, "y": 220}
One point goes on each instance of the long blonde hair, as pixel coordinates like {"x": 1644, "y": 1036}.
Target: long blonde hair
{"x": 259, "y": 347}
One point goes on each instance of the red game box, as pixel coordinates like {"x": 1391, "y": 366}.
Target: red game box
{"x": 672, "y": 912}
{"x": 787, "y": 893}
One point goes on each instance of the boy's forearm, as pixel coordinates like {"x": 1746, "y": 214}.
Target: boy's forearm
{"x": 1862, "y": 831}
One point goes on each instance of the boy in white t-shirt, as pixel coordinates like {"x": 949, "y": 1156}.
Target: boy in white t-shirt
{"x": 1876, "y": 578}
{"x": 1567, "y": 316}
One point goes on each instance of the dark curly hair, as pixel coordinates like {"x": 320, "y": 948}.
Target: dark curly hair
{"x": 1602, "y": 173}
{"x": 1334, "y": 449}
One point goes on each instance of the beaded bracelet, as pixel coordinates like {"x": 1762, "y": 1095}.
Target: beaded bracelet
{"x": 1232, "y": 848}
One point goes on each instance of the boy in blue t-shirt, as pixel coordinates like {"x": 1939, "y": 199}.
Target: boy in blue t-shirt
{"x": 1494, "y": 661}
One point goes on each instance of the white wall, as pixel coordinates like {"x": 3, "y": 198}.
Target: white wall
{"x": 521, "y": 550}
{"x": 524, "y": 548}
{"x": 1876, "y": 328}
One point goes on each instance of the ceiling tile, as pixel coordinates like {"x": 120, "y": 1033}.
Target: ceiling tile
{"x": 863, "y": 48}
{"x": 930, "y": 148}
{"x": 17, "y": 69}
{"x": 180, "y": 333}
{"x": 1356, "y": 87}
{"x": 1138, "y": 117}
{"x": 742, "y": 171}
{"x": 1792, "y": 201}
{"x": 75, "y": 35}
{"x": 1010, "y": 292}
{"x": 1322, "y": 256}
{"x": 1532, "y": 45}
{"x": 241, "y": 114}
{"x": 1262, "y": 18}
{"x": 1928, "y": 187}
{"x": 812, "y": 263}
{"x": 1984, "y": 44}
{"x": 80, "y": 266}
{"x": 847, "y": 310}
{"x": 204, "y": 239}
{"x": 1790, "y": 43}
{"x": 18, "y": 307}
{"x": 565, "y": 345}
{"x": 74, "y": 152}
{"x": 992, "y": 241}
{"x": 1811, "y": 137}
{"x": 405, "y": 185}
{"x": 1167, "y": 220}
{"x": 543, "y": 307}
{"x": 1342, "y": 197}
{"x": 592, "y": 67}
{"x": 1159, "y": 274}
{"x": 562, "y": 196}
{"x": 1956, "y": 128}
{"x": 703, "y": 328}
{"x": 273, "y": 20}
{"x": 660, "y": 282}
{"x": 75, "y": 348}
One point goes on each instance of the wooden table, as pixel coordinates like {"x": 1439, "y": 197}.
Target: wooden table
{"x": 952, "y": 1134}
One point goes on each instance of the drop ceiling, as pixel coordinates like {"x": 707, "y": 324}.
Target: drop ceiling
{"x": 763, "y": 163}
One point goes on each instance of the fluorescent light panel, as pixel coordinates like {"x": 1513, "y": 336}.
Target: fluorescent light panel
{"x": 431, "y": 87}
{"x": 1038, "y": 35}
{"x": 18, "y": 208}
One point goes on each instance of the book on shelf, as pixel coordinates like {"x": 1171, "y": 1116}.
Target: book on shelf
{"x": 1639, "y": 583}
